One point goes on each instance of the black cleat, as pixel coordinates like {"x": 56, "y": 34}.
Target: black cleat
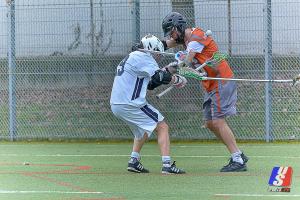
{"x": 172, "y": 170}
{"x": 243, "y": 156}
{"x": 234, "y": 167}
{"x": 135, "y": 166}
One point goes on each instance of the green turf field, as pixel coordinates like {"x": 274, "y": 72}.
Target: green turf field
{"x": 97, "y": 171}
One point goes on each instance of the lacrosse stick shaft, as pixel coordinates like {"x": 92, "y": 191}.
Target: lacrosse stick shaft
{"x": 171, "y": 87}
{"x": 201, "y": 66}
{"x": 249, "y": 80}
{"x": 190, "y": 73}
{"x": 164, "y": 92}
{"x": 157, "y": 52}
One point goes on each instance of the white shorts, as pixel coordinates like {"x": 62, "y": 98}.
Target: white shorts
{"x": 140, "y": 120}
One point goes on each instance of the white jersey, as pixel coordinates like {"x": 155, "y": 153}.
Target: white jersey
{"x": 132, "y": 78}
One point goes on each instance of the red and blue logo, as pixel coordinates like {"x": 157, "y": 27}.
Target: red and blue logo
{"x": 181, "y": 55}
{"x": 281, "y": 177}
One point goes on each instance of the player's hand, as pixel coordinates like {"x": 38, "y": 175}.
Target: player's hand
{"x": 296, "y": 80}
{"x": 179, "y": 81}
{"x": 172, "y": 67}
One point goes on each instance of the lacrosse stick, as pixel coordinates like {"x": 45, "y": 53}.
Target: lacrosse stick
{"x": 180, "y": 56}
{"x": 191, "y": 73}
{"x": 158, "y": 52}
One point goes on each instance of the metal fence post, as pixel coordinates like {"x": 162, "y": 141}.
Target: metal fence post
{"x": 268, "y": 70}
{"x": 92, "y": 27}
{"x": 11, "y": 70}
{"x": 135, "y": 21}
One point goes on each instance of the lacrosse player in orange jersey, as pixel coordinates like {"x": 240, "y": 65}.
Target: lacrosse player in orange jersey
{"x": 220, "y": 96}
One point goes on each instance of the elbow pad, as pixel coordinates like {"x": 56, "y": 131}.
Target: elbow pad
{"x": 160, "y": 77}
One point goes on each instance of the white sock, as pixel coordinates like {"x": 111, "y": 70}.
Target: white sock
{"x": 135, "y": 155}
{"x": 236, "y": 157}
{"x": 166, "y": 160}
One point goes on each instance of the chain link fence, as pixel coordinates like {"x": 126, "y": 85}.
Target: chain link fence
{"x": 58, "y": 60}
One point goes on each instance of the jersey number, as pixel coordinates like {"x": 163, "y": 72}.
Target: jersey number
{"x": 120, "y": 68}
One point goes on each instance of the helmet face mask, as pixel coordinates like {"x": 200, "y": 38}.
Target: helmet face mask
{"x": 168, "y": 30}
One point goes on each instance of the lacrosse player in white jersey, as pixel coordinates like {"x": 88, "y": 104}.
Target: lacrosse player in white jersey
{"x": 137, "y": 73}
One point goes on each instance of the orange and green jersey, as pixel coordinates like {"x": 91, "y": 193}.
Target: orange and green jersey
{"x": 210, "y": 47}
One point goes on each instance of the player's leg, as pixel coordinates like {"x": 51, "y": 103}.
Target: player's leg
{"x": 163, "y": 140}
{"x": 138, "y": 143}
{"x": 218, "y": 106}
{"x": 133, "y": 116}
{"x": 238, "y": 159}
{"x": 134, "y": 163}
{"x": 221, "y": 129}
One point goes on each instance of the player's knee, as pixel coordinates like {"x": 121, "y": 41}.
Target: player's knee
{"x": 215, "y": 124}
{"x": 209, "y": 125}
{"x": 162, "y": 126}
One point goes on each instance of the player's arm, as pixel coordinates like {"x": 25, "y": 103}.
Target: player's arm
{"x": 170, "y": 43}
{"x": 193, "y": 48}
{"x": 160, "y": 77}
{"x": 189, "y": 59}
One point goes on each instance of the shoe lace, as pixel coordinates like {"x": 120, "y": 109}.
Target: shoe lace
{"x": 173, "y": 164}
{"x": 230, "y": 162}
{"x": 174, "y": 168}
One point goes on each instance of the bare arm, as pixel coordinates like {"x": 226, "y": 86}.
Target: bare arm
{"x": 190, "y": 58}
{"x": 171, "y": 43}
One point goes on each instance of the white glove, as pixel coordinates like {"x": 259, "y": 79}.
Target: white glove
{"x": 179, "y": 81}
{"x": 172, "y": 67}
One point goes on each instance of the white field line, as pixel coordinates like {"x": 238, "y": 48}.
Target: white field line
{"x": 241, "y": 146}
{"x": 257, "y": 195}
{"x": 100, "y": 145}
{"x": 44, "y": 192}
{"x": 121, "y": 155}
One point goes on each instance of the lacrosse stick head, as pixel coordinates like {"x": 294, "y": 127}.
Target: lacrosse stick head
{"x": 216, "y": 58}
{"x": 188, "y": 72}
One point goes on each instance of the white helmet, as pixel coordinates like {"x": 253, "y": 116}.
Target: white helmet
{"x": 150, "y": 42}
